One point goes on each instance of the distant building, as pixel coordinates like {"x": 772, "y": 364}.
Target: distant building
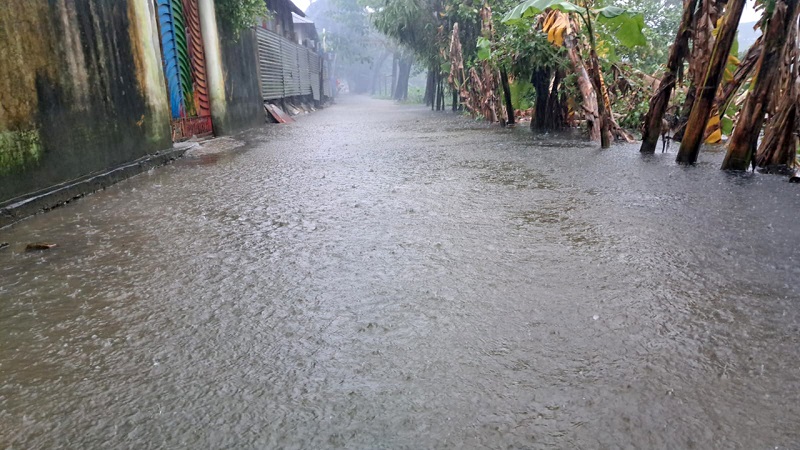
{"x": 282, "y": 22}
{"x": 291, "y": 66}
{"x": 305, "y": 32}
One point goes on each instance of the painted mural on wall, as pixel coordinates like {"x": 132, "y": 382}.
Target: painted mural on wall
{"x": 184, "y": 67}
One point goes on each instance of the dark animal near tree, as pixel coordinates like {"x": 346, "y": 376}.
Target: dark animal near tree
{"x": 669, "y": 124}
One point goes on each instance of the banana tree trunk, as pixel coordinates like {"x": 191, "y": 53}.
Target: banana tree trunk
{"x": 491, "y": 105}
{"x": 660, "y": 101}
{"x": 507, "y": 96}
{"x": 457, "y": 77}
{"x": 703, "y": 41}
{"x": 430, "y": 89}
{"x": 743, "y": 142}
{"x": 556, "y": 115}
{"x": 741, "y": 74}
{"x": 693, "y": 135}
{"x": 603, "y": 105}
{"x": 778, "y": 149}
{"x": 540, "y": 79}
{"x": 589, "y": 105}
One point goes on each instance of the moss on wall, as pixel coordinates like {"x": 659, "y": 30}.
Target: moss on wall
{"x": 19, "y": 149}
{"x": 81, "y": 90}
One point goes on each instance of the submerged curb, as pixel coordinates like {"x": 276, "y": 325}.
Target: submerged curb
{"x": 19, "y": 208}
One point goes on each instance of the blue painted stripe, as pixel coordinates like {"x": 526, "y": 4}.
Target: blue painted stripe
{"x": 170, "y": 54}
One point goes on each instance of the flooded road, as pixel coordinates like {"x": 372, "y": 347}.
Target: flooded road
{"x": 381, "y": 276}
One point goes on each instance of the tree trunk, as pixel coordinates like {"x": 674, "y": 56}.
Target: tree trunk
{"x": 540, "y": 79}
{"x": 589, "y": 105}
{"x": 457, "y": 77}
{"x": 376, "y": 72}
{"x": 404, "y": 70}
{"x": 744, "y": 140}
{"x": 779, "y": 147}
{"x": 507, "y": 96}
{"x": 702, "y": 47}
{"x": 603, "y": 105}
{"x": 555, "y": 113}
{"x": 727, "y": 89}
{"x": 693, "y": 134}
{"x": 491, "y": 106}
{"x": 744, "y": 70}
{"x": 430, "y": 89}
{"x": 440, "y": 96}
{"x": 660, "y": 101}
{"x": 395, "y": 60}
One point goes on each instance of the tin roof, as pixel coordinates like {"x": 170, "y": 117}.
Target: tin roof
{"x": 296, "y": 18}
{"x": 295, "y": 9}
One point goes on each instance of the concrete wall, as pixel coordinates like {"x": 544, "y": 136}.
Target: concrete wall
{"x": 81, "y": 90}
{"x": 244, "y": 106}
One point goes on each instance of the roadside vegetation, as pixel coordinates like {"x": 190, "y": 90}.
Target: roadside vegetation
{"x": 620, "y": 69}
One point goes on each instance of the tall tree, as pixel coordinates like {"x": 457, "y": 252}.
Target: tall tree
{"x": 660, "y": 101}
{"x": 778, "y": 149}
{"x": 703, "y": 41}
{"x": 742, "y": 145}
{"x": 701, "y": 110}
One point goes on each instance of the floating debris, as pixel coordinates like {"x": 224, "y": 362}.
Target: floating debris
{"x": 3, "y": 245}
{"x": 39, "y": 246}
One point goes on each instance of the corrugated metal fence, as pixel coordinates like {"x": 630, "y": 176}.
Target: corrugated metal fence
{"x": 287, "y": 69}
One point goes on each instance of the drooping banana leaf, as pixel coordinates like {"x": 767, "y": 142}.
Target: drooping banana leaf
{"x": 625, "y": 25}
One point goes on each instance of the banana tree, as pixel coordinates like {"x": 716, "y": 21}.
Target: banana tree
{"x": 626, "y": 28}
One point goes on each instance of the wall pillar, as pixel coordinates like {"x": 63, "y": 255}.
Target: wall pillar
{"x": 144, "y": 38}
{"x": 216, "y": 78}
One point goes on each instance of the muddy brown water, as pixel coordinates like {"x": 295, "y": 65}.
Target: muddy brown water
{"x": 381, "y": 276}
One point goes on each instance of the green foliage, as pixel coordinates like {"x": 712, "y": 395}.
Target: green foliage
{"x": 415, "y": 95}
{"x": 484, "y": 49}
{"x": 522, "y": 94}
{"x": 632, "y": 111}
{"x": 413, "y": 24}
{"x": 346, "y": 28}
{"x": 531, "y": 8}
{"x": 521, "y": 49}
{"x": 624, "y": 26}
{"x": 661, "y": 19}
{"x": 239, "y": 15}
{"x": 726, "y": 125}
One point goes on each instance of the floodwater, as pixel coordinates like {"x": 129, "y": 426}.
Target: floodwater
{"x": 382, "y": 276}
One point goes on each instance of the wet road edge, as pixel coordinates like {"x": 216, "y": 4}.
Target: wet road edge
{"x": 19, "y": 208}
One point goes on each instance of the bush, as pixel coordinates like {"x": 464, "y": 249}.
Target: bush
{"x": 239, "y": 15}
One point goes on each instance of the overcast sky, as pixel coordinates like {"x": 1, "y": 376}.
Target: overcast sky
{"x": 749, "y": 14}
